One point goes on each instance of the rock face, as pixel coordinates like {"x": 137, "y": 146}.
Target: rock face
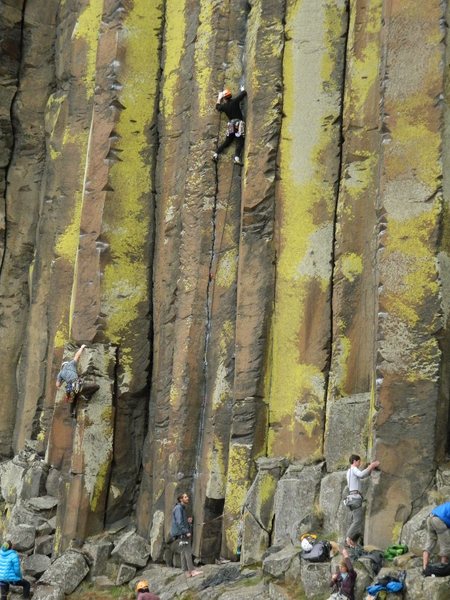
{"x": 247, "y": 328}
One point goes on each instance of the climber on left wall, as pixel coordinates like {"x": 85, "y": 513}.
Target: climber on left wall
{"x": 68, "y": 374}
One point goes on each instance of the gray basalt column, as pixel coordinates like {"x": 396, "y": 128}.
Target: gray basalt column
{"x": 264, "y": 55}
{"x": 410, "y": 313}
{"x": 11, "y": 29}
{"x": 351, "y": 389}
{"x": 313, "y": 71}
{"x": 228, "y": 29}
{"x": 68, "y": 113}
{"x": 185, "y": 189}
{"x": 24, "y": 175}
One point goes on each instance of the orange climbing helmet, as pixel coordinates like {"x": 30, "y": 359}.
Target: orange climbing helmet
{"x": 142, "y": 585}
{"x": 227, "y": 93}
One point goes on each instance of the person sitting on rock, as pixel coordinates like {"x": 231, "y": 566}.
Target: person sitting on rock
{"x": 438, "y": 530}
{"x": 10, "y": 571}
{"x": 344, "y": 580}
{"x": 74, "y": 384}
{"x": 236, "y": 125}
{"x": 143, "y": 592}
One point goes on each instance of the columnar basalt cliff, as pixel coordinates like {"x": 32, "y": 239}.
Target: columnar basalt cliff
{"x": 248, "y": 327}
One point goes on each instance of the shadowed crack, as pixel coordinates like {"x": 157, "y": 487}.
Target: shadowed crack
{"x": 327, "y": 368}
{"x": 13, "y": 135}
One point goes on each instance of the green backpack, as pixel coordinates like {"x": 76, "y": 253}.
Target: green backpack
{"x": 395, "y": 550}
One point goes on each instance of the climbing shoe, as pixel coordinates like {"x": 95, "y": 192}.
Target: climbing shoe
{"x": 215, "y": 157}
{"x": 237, "y": 161}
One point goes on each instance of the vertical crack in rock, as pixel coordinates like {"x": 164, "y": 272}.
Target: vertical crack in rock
{"x": 444, "y": 246}
{"x": 306, "y": 194}
{"x": 210, "y": 288}
{"x": 229, "y": 22}
{"x": 115, "y": 392}
{"x": 330, "y": 341}
{"x": 145, "y": 483}
{"x": 208, "y": 307}
{"x": 13, "y": 122}
{"x": 23, "y": 201}
{"x": 264, "y": 50}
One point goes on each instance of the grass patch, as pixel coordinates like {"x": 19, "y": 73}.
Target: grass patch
{"x": 87, "y": 591}
{"x": 249, "y": 582}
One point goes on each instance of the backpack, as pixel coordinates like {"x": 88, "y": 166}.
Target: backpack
{"x": 395, "y": 550}
{"x": 388, "y": 583}
{"x": 438, "y": 569}
{"x": 376, "y": 558}
{"x": 320, "y": 552}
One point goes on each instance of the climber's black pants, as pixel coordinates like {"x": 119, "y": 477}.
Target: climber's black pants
{"x": 229, "y": 140}
{"x": 4, "y": 587}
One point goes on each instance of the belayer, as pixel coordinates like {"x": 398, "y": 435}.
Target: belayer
{"x": 236, "y": 125}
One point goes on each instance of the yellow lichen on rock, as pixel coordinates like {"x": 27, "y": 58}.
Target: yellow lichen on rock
{"x": 87, "y": 29}
{"x": 175, "y": 31}
{"x": 408, "y": 245}
{"x": 204, "y": 54}
{"x": 297, "y": 384}
{"x": 238, "y": 482}
{"x": 351, "y": 266}
{"x": 215, "y": 486}
{"x": 126, "y": 224}
{"x": 227, "y": 268}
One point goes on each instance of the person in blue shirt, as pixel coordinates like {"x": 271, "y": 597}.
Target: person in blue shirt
{"x": 74, "y": 384}
{"x": 10, "y": 571}
{"x": 438, "y": 530}
{"x": 180, "y": 533}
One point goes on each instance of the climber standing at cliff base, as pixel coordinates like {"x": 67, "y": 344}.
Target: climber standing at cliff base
{"x": 180, "y": 533}
{"x": 235, "y": 126}
{"x": 438, "y": 530}
{"x": 74, "y": 384}
{"x": 354, "y": 500}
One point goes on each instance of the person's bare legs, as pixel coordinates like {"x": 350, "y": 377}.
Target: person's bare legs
{"x": 186, "y": 561}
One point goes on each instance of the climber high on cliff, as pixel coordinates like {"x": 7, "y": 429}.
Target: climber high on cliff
{"x": 74, "y": 384}
{"x": 236, "y": 126}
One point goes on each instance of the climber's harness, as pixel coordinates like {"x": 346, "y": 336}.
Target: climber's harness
{"x": 73, "y": 388}
{"x": 236, "y": 127}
